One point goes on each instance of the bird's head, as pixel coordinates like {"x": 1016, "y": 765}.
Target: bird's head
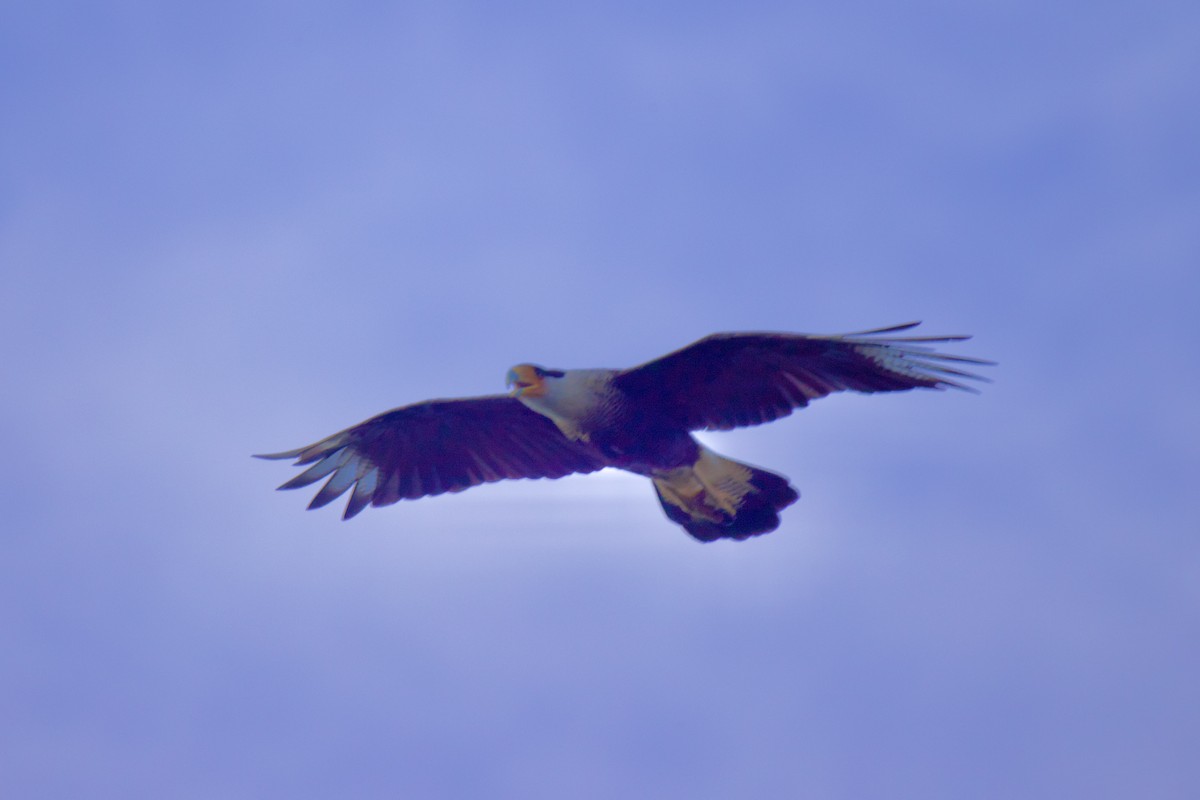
{"x": 529, "y": 380}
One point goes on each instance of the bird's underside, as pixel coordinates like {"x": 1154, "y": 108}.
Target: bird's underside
{"x": 558, "y": 422}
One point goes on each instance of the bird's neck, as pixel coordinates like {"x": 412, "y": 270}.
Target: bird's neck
{"x": 577, "y": 401}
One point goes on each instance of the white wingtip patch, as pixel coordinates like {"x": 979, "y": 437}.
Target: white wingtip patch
{"x": 921, "y": 364}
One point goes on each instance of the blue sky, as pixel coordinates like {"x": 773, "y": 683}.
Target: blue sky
{"x": 236, "y": 228}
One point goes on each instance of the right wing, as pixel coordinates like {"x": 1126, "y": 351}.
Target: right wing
{"x": 729, "y": 380}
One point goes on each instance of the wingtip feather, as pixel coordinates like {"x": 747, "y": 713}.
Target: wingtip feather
{"x": 280, "y": 456}
{"x": 364, "y": 491}
{"x": 904, "y": 326}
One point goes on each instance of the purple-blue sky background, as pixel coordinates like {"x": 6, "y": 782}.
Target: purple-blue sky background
{"x": 228, "y": 228}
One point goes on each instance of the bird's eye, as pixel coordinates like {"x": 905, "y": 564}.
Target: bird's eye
{"x": 551, "y": 373}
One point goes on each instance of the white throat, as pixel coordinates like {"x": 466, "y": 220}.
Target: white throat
{"x": 579, "y": 397}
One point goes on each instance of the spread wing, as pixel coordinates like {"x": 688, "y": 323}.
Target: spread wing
{"x": 435, "y": 447}
{"x": 730, "y": 380}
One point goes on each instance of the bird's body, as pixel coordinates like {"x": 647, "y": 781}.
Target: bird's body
{"x": 558, "y": 422}
{"x": 711, "y": 496}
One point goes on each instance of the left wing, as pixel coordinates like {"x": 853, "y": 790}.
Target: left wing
{"x": 435, "y": 447}
{"x": 730, "y": 380}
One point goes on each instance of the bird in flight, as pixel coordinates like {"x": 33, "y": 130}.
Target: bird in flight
{"x": 556, "y": 422}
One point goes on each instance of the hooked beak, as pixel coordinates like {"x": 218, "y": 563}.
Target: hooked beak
{"x": 521, "y": 378}
{"x": 517, "y": 382}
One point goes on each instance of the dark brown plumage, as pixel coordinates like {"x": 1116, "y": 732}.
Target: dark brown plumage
{"x": 559, "y": 422}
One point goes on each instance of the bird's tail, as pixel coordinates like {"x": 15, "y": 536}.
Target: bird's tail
{"x": 719, "y": 498}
